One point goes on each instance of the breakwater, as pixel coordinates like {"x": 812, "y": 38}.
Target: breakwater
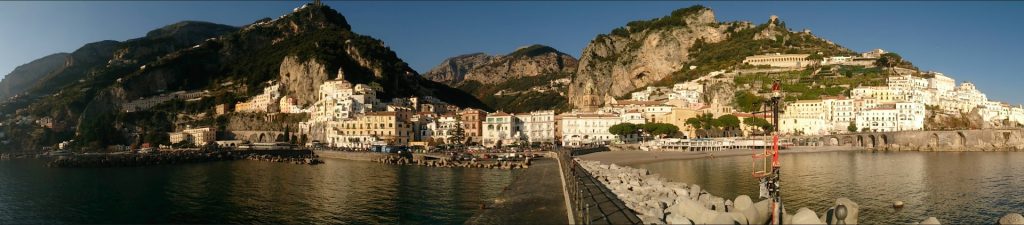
{"x": 184, "y": 156}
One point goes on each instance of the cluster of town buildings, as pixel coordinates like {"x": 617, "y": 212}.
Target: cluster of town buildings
{"x": 900, "y": 105}
{"x": 351, "y": 116}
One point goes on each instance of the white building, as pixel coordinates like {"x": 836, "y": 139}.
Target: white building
{"x": 808, "y": 117}
{"x": 264, "y": 102}
{"x": 779, "y": 60}
{"x": 878, "y": 119}
{"x": 538, "y": 126}
{"x": 689, "y": 94}
{"x": 339, "y": 100}
{"x": 579, "y": 129}
{"x": 500, "y": 129}
{"x": 196, "y": 136}
{"x": 941, "y": 83}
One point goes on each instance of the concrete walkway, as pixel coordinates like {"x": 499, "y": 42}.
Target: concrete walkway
{"x": 598, "y": 204}
{"x": 534, "y": 197}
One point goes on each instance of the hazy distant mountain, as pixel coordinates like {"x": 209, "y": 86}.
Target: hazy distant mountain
{"x": 521, "y": 81}
{"x": 18, "y": 80}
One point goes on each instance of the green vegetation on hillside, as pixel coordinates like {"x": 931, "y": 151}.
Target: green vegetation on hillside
{"x": 522, "y": 99}
{"x": 727, "y": 54}
{"x": 532, "y": 50}
{"x": 676, "y": 19}
{"x": 802, "y": 85}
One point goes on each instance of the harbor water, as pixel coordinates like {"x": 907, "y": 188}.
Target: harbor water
{"x": 337, "y": 192}
{"x": 955, "y": 187}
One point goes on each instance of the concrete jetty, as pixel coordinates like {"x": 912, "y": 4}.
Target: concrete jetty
{"x": 533, "y": 197}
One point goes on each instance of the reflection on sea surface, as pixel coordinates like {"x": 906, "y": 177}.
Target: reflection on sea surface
{"x": 338, "y": 191}
{"x": 955, "y": 187}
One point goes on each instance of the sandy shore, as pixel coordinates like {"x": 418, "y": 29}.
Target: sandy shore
{"x": 636, "y": 156}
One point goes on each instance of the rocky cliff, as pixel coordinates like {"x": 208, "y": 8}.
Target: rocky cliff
{"x": 640, "y": 54}
{"x": 524, "y": 80}
{"x": 682, "y": 46}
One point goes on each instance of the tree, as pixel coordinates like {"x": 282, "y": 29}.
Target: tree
{"x": 728, "y": 121}
{"x": 705, "y": 122}
{"x": 889, "y": 60}
{"x": 760, "y": 123}
{"x": 661, "y": 128}
{"x": 748, "y": 102}
{"x": 623, "y": 129}
{"x": 852, "y": 127}
{"x": 458, "y": 134}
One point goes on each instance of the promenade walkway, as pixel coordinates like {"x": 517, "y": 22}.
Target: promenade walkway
{"x": 594, "y": 203}
{"x": 534, "y": 197}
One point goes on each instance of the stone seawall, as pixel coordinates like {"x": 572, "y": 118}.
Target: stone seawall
{"x": 949, "y": 140}
{"x": 183, "y": 157}
{"x": 357, "y": 156}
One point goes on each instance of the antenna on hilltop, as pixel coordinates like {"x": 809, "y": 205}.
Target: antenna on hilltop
{"x": 317, "y": 3}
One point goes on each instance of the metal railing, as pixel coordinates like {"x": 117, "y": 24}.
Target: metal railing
{"x": 590, "y": 201}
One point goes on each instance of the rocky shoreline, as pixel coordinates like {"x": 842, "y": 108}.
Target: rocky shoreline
{"x": 658, "y": 201}
{"x": 177, "y": 157}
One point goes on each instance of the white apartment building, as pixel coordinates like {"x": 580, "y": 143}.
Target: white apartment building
{"x": 500, "y": 128}
{"x": 688, "y": 93}
{"x": 808, "y": 117}
{"x": 339, "y": 99}
{"x": 911, "y": 116}
{"x": 264, "y": 102}
{"x": 941, "y": 83}
{"x": 196, "y": 136}
{"x": 907, "y": 82}
{"x": 842, "y": 112}
{"x": 579, "y": 129}
{"x": 880, "y": 93}
{"x": 633, "y": 116}
{"x": 443, "y": 128}
{"x": 878, "y": 119}
{"x": 538, "y": 126}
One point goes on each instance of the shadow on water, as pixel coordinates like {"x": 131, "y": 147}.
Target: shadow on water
{"x": 248, "y": 192}
{"x": 955, "y": 187}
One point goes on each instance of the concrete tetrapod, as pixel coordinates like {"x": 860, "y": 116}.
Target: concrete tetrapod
{"x": 930, "y": 221}
{"x": 677, "y": 219}
{"x": 742, "y": 202}
{"x": 1012, "y": 218}
{"x": 806, "y": 216}
{"x": 729, "y": 218}
{"x": 756, "y": 213}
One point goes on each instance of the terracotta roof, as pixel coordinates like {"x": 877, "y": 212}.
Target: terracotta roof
{"x": 499, "y": 114}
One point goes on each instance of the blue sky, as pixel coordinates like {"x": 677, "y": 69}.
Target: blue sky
{"x": 975, "y": 41}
